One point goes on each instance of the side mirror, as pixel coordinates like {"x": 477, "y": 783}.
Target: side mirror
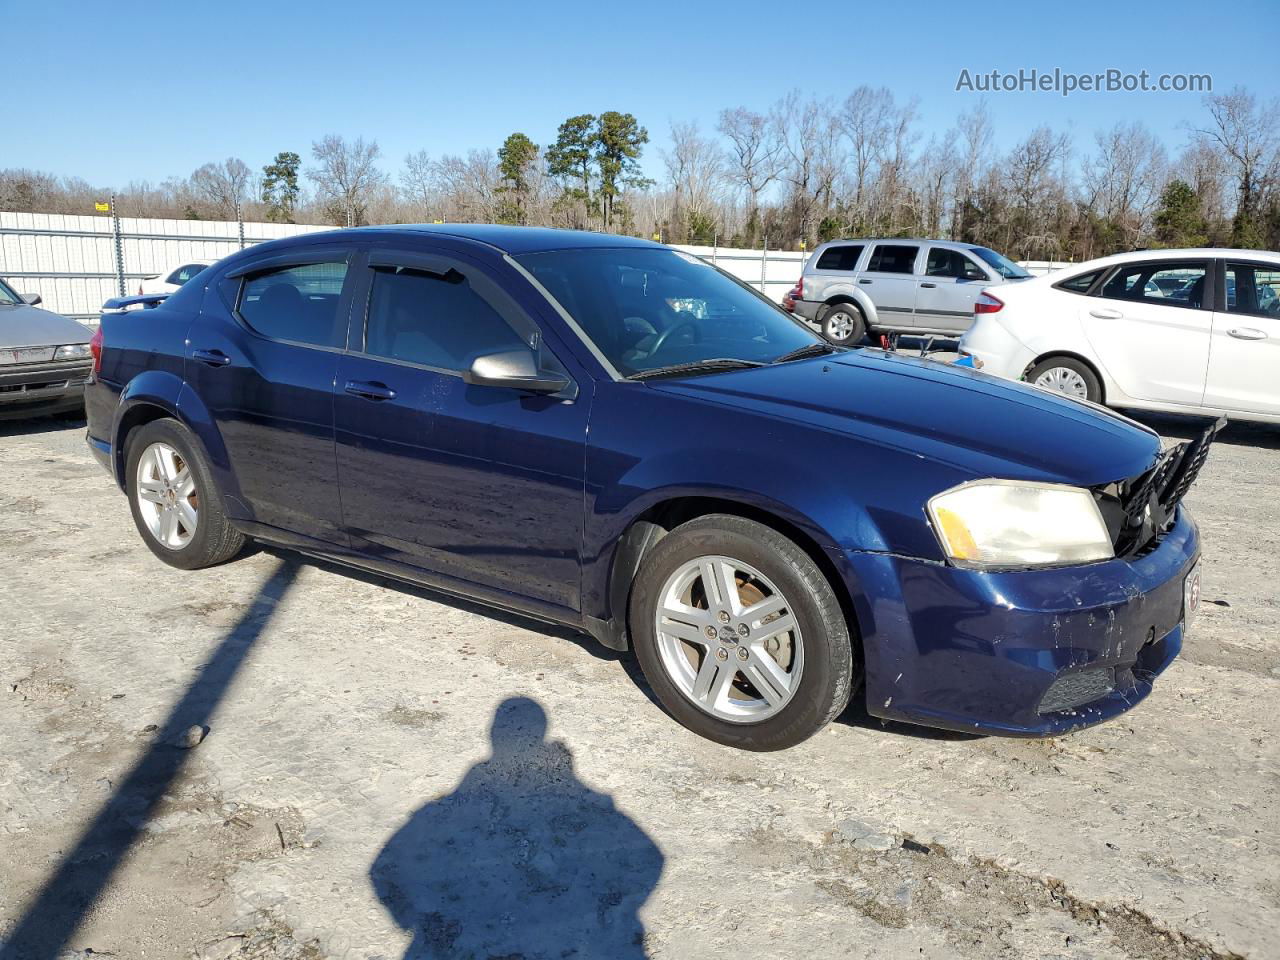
{"x": 515, "y": 370}
{"x": 32, "y": 298}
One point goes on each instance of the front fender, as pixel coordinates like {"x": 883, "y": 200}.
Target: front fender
{"x": 804, "y": 498}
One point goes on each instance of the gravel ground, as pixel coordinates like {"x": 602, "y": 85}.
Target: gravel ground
{"x": 281, "y": 759}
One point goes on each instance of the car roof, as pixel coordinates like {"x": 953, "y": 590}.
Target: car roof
{"x": 954, "y": 244}
{"x": 509, "y": 239}
{"x": 1175, "y": 253}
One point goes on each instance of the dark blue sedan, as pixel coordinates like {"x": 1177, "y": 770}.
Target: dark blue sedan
{"x": 611, "y": 434}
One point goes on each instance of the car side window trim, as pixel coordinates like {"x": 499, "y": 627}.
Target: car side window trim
{"x": 1222, "y": 268}
{"x": 1208, "y": 296}
{"x": 353, "y": 257}
{"x": 516, "y": 317}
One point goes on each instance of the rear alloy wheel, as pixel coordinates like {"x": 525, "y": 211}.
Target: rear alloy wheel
{"x": 740, "y": 634}
{"x": 843, "y": 324}
{"x": 176, "y": 506}
{"x": 1066, "y": 375}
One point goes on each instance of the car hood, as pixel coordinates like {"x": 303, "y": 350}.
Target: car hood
{"x": 980, "y": 424}
{"x": 22, "y": 325}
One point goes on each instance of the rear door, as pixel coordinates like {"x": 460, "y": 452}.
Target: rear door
{"x": 1155, "y": 347}
{"x": 261, "y": 358}
{"x": 478, "y": 483}
{"x": 1244, "y": 355}
{"x": 889, "y": 280}
{"x": 951, "y": 282}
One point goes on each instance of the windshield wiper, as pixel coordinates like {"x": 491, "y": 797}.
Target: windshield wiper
{"x": 714, "y": 365}
{"x": 808, "y": 350}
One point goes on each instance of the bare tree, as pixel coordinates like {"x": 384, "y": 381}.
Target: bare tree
{"x": 1034, "y": 177}
{"x": 812, "y": 161}
{"x": 418, "y": 184}
{"x": 1247, "y": 133}
{"x": 223, "y": 187}
{"x": 1122, "y": 180}
{"x": 695, "y": 170}
{"x": 345, "y": 176}
{"x": 865, "y": 121}
{"x": 754, "y": 160}
{"x": 469, "y": 186}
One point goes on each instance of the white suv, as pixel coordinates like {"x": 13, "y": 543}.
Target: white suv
{"x": 1185, "y": 331}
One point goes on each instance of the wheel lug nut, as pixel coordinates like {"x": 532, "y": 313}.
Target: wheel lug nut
{"x": 722, "y": 653}
{"x": 724, "y": 616}
{"x": 743, "y": 630}
{"x": 709, "y": 632}
{"x": 742, "y": 653}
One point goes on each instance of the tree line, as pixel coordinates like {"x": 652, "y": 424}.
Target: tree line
{"x": 800, "y": 172}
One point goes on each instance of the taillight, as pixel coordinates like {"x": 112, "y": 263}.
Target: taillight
{"x": 140, "y": 290}
{"x": 95, "y": 348}
{"x": 986, "y": 303}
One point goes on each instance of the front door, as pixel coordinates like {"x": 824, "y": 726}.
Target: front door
{"x": 477, "y": 483}
{"x": 1244, "y": 358}
{"x": 262, "y": 364}
{"x": 1154, "y": 345}
{"x": 951, "y": 282}
{"x": 890, "y": 281}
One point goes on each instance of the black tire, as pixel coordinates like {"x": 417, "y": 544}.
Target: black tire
{"x": 1093, "y": 388}
{"x": 836, "y": 318}
{"x": 214, "y": 540}
{"x": 828, "y": 676}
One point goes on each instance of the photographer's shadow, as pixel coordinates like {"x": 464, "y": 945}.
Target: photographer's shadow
{"x": 521, "y": 860}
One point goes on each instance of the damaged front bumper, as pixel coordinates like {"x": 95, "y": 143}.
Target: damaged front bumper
{"x": 1030, "y": 653}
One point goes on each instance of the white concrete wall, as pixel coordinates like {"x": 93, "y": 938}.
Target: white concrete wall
{"x": 70, "y": 260}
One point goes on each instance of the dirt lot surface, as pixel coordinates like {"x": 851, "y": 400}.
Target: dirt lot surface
{"x": 281, "y": 759}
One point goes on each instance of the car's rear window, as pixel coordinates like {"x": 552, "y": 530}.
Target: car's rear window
{"x": 843, "y": 257}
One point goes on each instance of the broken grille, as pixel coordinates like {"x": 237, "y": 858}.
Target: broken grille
{"x": 1138, "y": 510}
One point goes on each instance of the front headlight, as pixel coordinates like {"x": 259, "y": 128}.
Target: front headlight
{"x": 72, "y": 351}
{"x": 1015, "y": 523}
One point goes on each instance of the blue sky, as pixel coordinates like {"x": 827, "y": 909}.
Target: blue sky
{"x": 121, "y": 91}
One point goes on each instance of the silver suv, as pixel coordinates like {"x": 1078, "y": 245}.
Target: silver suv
{"x": 855, "y": 287}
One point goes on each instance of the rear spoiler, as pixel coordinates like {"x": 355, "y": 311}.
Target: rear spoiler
{"x": 146, "y": 301}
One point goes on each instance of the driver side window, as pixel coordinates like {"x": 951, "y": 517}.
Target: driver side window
{"x": 433, "y": 317}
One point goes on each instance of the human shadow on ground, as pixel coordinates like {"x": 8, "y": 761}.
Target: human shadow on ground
{"x": 86, "y": 870}
{"x": 521, "y": 860}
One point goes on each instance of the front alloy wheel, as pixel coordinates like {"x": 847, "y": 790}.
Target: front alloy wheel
{"x": 728, "y": 639}
{"x": 740, "y": 634}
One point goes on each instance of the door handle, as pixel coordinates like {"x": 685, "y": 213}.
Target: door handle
{"x": 1247, "y": 333}
{"x": 863, "y": 280}
{"x": 214, "y": 358}
{"x": 928, "y": 286}
{"x": 1104, "y": 314}
{"x": 370, "y": 390}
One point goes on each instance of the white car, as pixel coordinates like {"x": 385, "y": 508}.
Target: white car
{"x": 1184, "y": 331}
{"x": 167, "y": 281}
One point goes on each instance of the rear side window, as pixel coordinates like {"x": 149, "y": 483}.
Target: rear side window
{"x": 298, "y": 303}
{"x": 184, "y": 273}
{"x": 952, "y": 263}
{"x": 1147, "y": 283}
{"x": 839, "y": 258}
{"x": 1253, "y": 289}
{"x": 1080, "y": 283}
{"x": 436, "y": 319}
{"x": 892, "y": 258}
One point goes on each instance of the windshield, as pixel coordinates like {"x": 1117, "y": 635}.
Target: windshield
{"x": 1002, "y": 264}
{"x": 7, "y": 296}
{"x": 650, "y": 308}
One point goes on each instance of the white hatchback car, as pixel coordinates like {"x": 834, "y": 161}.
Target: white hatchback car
{"x": 168, "y": 281}
{"x": 1185, "y": 331}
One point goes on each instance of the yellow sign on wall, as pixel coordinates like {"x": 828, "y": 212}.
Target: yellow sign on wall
{"x": 102, "y": 207}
